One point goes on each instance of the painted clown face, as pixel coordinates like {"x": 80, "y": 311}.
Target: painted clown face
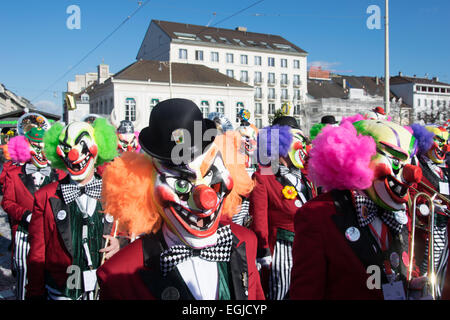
{"x": 191, "y": 196}
{"x": 440, "y": 147}
{"x": 78, "y": 150}
{"x": 127, "y": 142}
{"x": 249, "y": 138}
{"x": 392, "y": 164}
{"x": 298, "y": 150}
{"x": 38, "y": 157}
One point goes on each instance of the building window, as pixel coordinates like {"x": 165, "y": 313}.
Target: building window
{"x": 85, "y": 98}
{"x": 204, "y": 107}
{"x": 239, "y": 107}
{"x": 297, "y": 109}
{"x": 284, "y": 94}
{"x": 199, "y": 55}
{"x": 284, "y": 78}
{"x": 296, "y": 64}
{"x": 271, "y": 109}
{"x": 244, "y": 59}
{"x": 296, "y": 79}
{"x": 257, "y": 60}
{"x": 130, "y": 109}
{"x": 284, "y": 63}
{"x": 271, "y": 62}
{"x": 271, "y": 93}
{"x": 220, "y": 107}
{"x": 153, "y": 103}
{"x": 426, "y": 102}
{"x": 258, "y": 92}
{"x": 432, "y": 103}
{"x": 214, "y": 56}
{"x": 230, "y": 58}
{"x": 258, "y": 108}
{"x": 182, "y": 54}
{"x": 297, "y": 94}
{"x": 230, "y": 73}
{"x": 244, "y": 76}
{"x": 258, "y": 123}
{"x": 258, "y": 77}
{"x": 271, "y": 78}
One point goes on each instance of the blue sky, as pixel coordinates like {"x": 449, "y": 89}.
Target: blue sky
{"x": 37, "y": 48}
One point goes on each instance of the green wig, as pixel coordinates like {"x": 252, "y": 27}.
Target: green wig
{"x": 106, "y": 139}
{"x": 51, "y": 141}
{"x": 315, "y": 130}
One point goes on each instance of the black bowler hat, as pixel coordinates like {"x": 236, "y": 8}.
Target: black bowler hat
{"x": 170, "y": 122}
{"x": 328, "y": 120}
{"x": 286, "y": 121}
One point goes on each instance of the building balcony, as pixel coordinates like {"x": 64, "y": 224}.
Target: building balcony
{"x": 284, "y": 83}
{"x": 272, "y": 97}
{"x": 259, "y": 97}
{"x": 258, "y": 82}
{"x": 297, "y": 98}
{"x": 271, "y": 82}
{"x": 285, "y": 98}
{"x": 296, "y": 84}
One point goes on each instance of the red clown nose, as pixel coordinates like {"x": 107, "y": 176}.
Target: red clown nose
{"x": 73, "y": 155}
{"x": 205, "y": 198}
{"x": 412, "y": 174}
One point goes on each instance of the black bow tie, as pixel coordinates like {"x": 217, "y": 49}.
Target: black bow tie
{"x": 367, "y": 210}
{"x": 31, "y": 169}
{"x": 72, "y": 191}
{"x": 179, "y": 253}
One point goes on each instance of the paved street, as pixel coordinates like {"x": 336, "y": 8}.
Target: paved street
{"x": 7, "y": 281}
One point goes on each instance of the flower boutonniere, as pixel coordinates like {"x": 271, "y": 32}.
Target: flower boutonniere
{"x": 289, "y": 192}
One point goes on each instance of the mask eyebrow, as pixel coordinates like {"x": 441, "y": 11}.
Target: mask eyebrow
{"x": 394, "y": 150}
{"x": 181, "y": 171}
{"x": 80, "y": 136}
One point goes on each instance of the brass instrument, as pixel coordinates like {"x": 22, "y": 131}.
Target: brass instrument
{"x": 427, "y": 210}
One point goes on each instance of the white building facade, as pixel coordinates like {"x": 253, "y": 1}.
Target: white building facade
{"x": 429, "y": 98}
{"x": 133, "y": 92}
{"x": 274, "y": 67}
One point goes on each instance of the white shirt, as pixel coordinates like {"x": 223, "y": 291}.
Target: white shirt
{"x": 201, "y": 276}
{"x": 86, "y": 204}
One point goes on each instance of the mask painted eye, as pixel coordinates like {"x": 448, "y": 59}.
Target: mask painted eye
{"x": 395, "y": 164}
{"x": 181, "y": 186}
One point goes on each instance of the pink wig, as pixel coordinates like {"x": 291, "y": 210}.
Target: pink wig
{"x": 138, "y": 148}
{"x": 19, "y": 149}
{"x": 348, "y": 159}
{"x": 351, "y": 119}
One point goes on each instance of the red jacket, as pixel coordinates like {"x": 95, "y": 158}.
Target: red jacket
{"x": 134, "y": 273}
{"x": 270, "y": 210}
{"x": 19, "y": 193}
{"x": 325, "y": 264}
{"x": 7, "y": 166}
{"x": 50, "y": 240}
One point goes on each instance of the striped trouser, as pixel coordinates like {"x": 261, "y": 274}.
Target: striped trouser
{"x": 242, "y": 216}
{"x": 21, "y": 248}
{"x": 441, "y": 252}
{"x": 280, "y": 273}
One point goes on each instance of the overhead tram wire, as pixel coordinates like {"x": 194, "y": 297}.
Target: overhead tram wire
{"x": 95, "y": 48}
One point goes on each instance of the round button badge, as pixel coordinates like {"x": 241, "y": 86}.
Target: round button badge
{"x": 352, "y": 234}
{"x": 61, "y": 215}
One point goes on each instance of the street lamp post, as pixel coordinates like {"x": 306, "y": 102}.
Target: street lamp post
{"x": 387, "y": 106}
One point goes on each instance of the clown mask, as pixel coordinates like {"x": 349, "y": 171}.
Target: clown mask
{"x": 191, "y": 196}
{"x": 127, "y": 142}
{"x": 249, "y": 137}
{"x": 78, "y": 150}
{"x": 35, "y": 138}
{"x": 440, "y": 147}
{"x": 393, "y": 172}
{"x": 298, "y": 151}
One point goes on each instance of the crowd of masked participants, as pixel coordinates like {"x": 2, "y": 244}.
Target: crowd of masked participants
{"x": 351, "y": 210}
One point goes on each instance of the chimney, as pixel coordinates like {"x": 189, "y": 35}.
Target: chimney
{"x": 243, "y": 29}
{"x": 377, "y": 81}
{"x": 435, "y": 79}
{"x": 400, "y": 74}
{"x": 344, "y": 83}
